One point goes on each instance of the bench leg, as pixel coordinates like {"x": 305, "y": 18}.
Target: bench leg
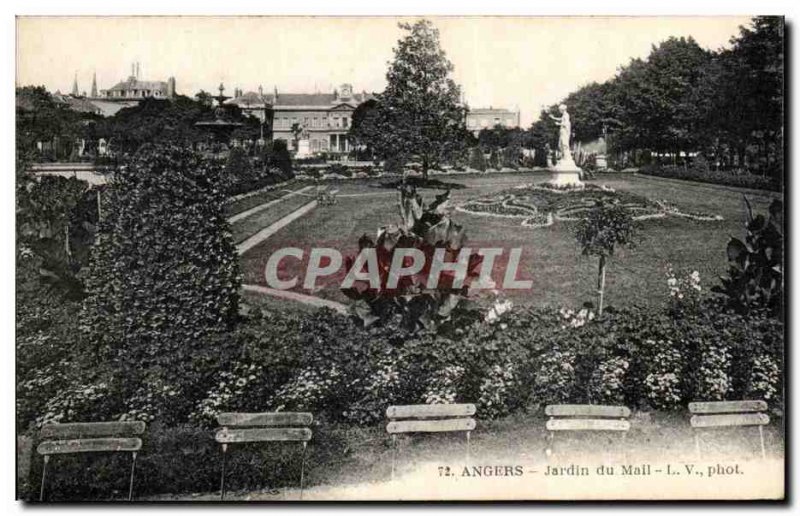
{"x": 302, "y": 468}
{"x": 697, "y": 444}
{"x": 624, "y": 441}
{"x": 761, "y": 436}
{"x": 468, "y": 445}
{"x": 133, "y": 470}
{"x": 44, "y": 473}
{"x": 222, "y": 479}
{"x": 548, "y": 451}
{"x": 394, "y": 452}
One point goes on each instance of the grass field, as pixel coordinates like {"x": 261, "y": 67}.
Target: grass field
{"x": 551, "y": 257}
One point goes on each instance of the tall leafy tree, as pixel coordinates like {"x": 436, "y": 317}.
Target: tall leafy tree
{"x": 419, "y": 114}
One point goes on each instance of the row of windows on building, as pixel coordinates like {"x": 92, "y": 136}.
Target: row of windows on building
{"x": 283, "y": 122}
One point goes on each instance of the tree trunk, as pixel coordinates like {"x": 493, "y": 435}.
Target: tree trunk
{"x": 67, "y": 250}
{"x": 601, "y": 285}
{"x": 425, "y": 169}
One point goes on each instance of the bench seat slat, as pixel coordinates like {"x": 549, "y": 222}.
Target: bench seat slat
{"x": 618, "y": 425}
{"x": 716, "y": 420}
{"x": 103, "y": 444}
{"x": 589, "y": 411}
{"x": 99, "y": 429}
{"x": 723, "y": 407}
{"x": 254, "y": 435}
{"x": 265, "y": 419}
{"x": 437, "y": 410}
{"x": 441, "y": 425}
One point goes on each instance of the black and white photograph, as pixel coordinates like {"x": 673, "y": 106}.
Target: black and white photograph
{"x": 399, "y": 258}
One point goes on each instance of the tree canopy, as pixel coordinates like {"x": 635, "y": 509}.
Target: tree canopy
{"x": 419, "y": 115}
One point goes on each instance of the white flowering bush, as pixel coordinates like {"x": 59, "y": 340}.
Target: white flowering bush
{"x": 495, "y": 390}
{"x": 443, "y": 387}
{"x": 224, "y": 395}
{"x": 764, "y": 379}
{"x": 607, "y": 383}
{"x": 73, "y": 403}
{"x": 308, "y": 390}
{"x": 154, "y": 397}
{"x": 663, "y": 381}
{"x": 378, "y": 389}
{"x": 575, "y": 319}
{"x": 685, "y": 290}
{"x": 555, "y": 377}
{"x": 713, "y": 378}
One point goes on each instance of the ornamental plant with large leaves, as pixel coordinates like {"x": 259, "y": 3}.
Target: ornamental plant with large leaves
{"x": 411, "y": 303}
{"x": 755, "y": 272}
{"x": 164, "y": 278}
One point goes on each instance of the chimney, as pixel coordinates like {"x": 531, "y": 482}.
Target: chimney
{"x": 75, "y": 85}
{"x": 94, "y": 85}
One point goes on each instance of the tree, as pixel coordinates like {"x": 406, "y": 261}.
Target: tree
{"x": 419, "y": 114}
{"x": 164, "y": 281}
{"x": 204, "y": 98}
{"x": 605, "y": 226}
{"x": 40, "y": 118}
{"x": 296, "y": 131}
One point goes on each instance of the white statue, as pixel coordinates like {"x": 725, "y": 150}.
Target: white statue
{"x": 566, "y": 171}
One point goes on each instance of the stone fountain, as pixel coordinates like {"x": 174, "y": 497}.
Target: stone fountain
{"x": 221, "y": 126}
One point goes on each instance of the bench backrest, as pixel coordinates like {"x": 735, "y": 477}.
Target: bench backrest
{"x": 709, "y": 414}
{"x": 430, "y": 418}
{"x": 249, "y": 427}
{"x": 104, "y": 436}
{"x": 588, "y": 417}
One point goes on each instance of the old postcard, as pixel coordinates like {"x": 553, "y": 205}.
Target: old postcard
{"x": 443, "y": 258}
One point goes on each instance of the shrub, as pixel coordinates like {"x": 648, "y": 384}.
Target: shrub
{"x": 428, "y": 229}
{"x": 607, "y": 383}
{"x": 163, "y": 281}
{"x": 755, "y": 272}
{"x": 511, "y": 157}
{"x": 703, "y": 175}
{"x": 477, "y": 161}
{"x": 663, "y": 382}
{"x": 280, "y": 158}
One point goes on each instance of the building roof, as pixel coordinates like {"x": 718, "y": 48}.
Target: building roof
{"x": 250, "y": 99}
{"x": 79, "y": 104}
{"x": 136, "y": 84}
{"x": 298, "y": 100}
{"x": 491, "y": 111}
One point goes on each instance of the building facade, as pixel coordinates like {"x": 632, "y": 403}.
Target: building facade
{"x": 486, "y": 118}
{"x": 311, "y": 123}
{"x": 134, "y": 88}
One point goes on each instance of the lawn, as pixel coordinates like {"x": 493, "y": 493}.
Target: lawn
{"x": 550, "y": 257}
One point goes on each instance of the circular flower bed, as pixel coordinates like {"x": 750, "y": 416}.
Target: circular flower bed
{"x": 539, "y": 205}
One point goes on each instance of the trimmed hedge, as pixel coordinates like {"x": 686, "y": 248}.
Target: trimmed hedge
{"x": 702, "y": 174}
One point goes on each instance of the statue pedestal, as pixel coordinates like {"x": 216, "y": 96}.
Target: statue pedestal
{"x": 566, "y": 173}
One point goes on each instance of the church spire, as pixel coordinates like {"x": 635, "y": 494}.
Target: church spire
{"x": 94, "y": 85}
{"x": 75, "y": 86}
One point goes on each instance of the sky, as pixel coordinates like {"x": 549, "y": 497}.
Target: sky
{"x": 512, "y": 62}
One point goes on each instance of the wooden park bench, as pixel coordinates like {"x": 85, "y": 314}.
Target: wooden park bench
{"x": 242, "y": 427}
{"x": 405, "y": 419}
{"x": 109, "y": 436}
{"x": 719, "y": 414}
{"x": 587, "y": 418}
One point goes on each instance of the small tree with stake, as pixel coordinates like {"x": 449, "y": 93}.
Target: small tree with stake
{"x": 606, "y": 225}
